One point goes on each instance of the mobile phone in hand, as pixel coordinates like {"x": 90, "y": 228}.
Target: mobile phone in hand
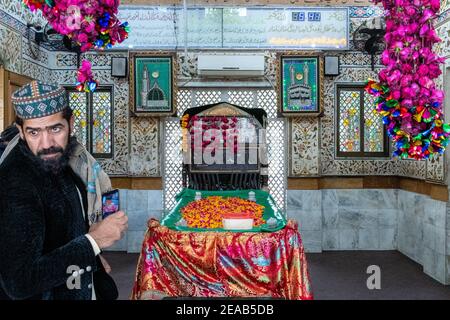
{"x": 110, "y": 203}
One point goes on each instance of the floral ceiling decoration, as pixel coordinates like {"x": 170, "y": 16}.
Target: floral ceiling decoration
{"x": 89, "y": 24}
{"x": 407, "y": 96}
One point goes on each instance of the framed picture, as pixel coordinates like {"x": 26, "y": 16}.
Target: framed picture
{"x": 299, "y": 84}
{"x": 152, "y": 85}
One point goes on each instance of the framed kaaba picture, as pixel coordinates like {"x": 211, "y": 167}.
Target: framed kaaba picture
{"x": 152, "y": 84}
{"x": 299, "y": 84}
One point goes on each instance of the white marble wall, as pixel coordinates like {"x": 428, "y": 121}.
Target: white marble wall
{"x": 423, "y": 233}
{"x": 343, "y": 219}
{"x": 375, "y": 219}
{"x": 305, "y": 206}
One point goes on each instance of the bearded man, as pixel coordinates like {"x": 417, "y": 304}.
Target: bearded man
{"x": 45, "y": 237}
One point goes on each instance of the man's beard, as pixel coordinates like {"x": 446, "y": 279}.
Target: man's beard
{"x": 58, "y": 164}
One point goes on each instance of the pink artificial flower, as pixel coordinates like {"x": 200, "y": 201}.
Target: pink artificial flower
{"x": 109, "y": 3}
{"x": 385, "y": 58}
{"x": 432, "y": 36}
{"x": 405, "y": 80}
{"x": 424, "y": 93}
{"x": 394, "y": 77}
{"x": 405, "y": 53}
{"x": 426, "y": 15}
{"x": 407, "y": 92}
{"x": 437, "y": 95}
{"x": 89, "y": 27}
{"x": 426, "y": 82}
{"x": 423, "y": 30}
{"x": 422, "y": 101}
{"x": 406, "y": 68}
{"x": 382, "y": 75}
{"x": 410, "y": 10}
{"x": 84, "y": 72}
{"x": 397, "y": 46}
{"x": 415, "y": 87}
{"x": 396, "y": 94}
{"x": 425, "y": 52}
{"x": 423, "y": 70}
{"x": 409, "y": 39}
{"x": 430, "y": 58}
{"x": 390, "y": 25}
{"x": 61, "y": 6}
{"x": 81, "y": 77}
{"x": 406, "y": 103}
{"x": 401, "y": 31}
{"x": 412, "y": 28}
{"x": 392, "y": 65}
{"x": 434, "y": 71}
{"x": 82, "y": 38}
{"x": 86, "y": 65}
{"x": 435, "y": 5}
{"x": 388, "y": 37}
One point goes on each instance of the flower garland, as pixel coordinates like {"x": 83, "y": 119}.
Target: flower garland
{"x": 89, "y": 23}
{"x": 209, "y": 212}
{"x": 85, "y": 79}
{"x": 407, "y": 96}
{"x": 92, "y": 24}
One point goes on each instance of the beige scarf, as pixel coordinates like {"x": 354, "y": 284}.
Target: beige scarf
{"x": 89, "y": 170}
{"x": 96, "y": 180}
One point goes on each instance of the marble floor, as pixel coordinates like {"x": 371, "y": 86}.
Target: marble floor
{"x": 340, "y": 275}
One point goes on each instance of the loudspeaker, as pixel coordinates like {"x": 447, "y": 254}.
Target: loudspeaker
{"x": 119, "y": 67}
{"x": 331, "y": 66}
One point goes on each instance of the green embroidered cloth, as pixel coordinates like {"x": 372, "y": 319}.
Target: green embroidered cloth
{"x": 263, "y": 198}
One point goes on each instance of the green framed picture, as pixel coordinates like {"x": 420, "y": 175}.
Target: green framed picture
{"x": 299, "y": 81}
{"x": 152, "y": 88}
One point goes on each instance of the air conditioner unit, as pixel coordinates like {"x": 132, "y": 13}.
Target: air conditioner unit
{"x": 230, "y": 65}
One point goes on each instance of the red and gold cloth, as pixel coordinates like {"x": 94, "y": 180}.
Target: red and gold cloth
{"x": 222, "y": 264}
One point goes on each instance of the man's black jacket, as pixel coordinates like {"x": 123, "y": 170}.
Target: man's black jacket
{"x": 42, "y": 232}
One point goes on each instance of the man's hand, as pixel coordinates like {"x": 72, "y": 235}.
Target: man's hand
{"x": 109, "y": 230}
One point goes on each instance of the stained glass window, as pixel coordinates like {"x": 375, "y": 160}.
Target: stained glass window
{"x": 349, "y": 121}
{"x": 93, "y": 120}
{"x": 78, "y": 103}
{"x": 360, "y": 130}
{"x": 373, "y": 126}
{"x": 101, "y": 122}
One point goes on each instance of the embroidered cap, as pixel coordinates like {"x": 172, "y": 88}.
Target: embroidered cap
{"x": 37, "y": 99}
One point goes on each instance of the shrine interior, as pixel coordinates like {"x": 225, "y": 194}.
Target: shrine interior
{"x": 260, "y": 149}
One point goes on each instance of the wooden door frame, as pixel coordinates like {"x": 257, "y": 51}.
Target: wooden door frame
{"x": 8, "y": 78}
